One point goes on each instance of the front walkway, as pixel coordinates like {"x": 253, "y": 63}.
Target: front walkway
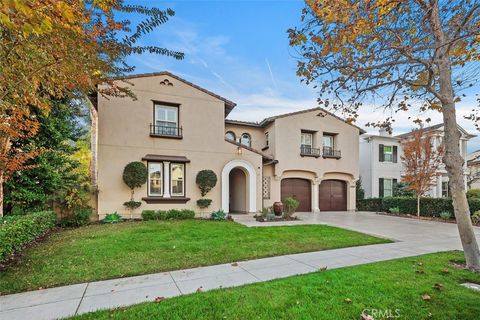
{"x": 414, "y": 238}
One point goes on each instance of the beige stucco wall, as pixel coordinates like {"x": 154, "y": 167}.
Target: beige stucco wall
{"x": 123, "y": 137}
{"x": 286, "y": 143}
{"x": 257, "y": 134}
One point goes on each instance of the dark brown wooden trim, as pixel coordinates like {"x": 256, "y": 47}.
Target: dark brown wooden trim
{"x": 165, "y": 200}
{"x": 265, "y": 148}
{"x": 166, "y": 103}
{"x": 161, "y": 158}
{"x": 308, "y": 131}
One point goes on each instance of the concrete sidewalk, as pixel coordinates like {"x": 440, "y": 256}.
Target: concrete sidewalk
{"x": 80, "y": 298}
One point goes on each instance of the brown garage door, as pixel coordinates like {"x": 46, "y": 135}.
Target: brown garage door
{"x": 333, "y": 195}
{"x": 301, "y": 190}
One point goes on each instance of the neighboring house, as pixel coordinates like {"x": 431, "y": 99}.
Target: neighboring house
{"x": 473, "y": 169}
{"x": 177, "y": 129}
{"x": 379, "y": 173}
{"x": 380, "y": 164}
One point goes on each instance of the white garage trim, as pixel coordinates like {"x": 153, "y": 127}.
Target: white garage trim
{"x": 251, "y": 176}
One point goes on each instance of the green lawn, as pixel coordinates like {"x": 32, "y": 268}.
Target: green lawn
{"x": 99, "y": 252}
{"x": 396, "y": 285}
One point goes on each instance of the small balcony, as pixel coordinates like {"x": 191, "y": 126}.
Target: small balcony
{"x": 166, "y": 132}
{"x": 329, "y": 152}
{"x": 308, "y": 151}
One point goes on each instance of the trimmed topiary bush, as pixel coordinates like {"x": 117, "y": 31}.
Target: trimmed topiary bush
{"x": 206, "y": 180}
{"x": 204, "y": 203}
{"x": 15, "y": 232}
{"x": 135, "y": 175}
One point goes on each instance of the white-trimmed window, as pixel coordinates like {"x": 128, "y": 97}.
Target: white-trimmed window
{"x": 388, "y": 153}
{"x": 387, "y": 187}
{"x": 328, "y": 141}
{"x": 177, "y": 178}
{"x": 246, "y": 140}
{"x": 155, "y": 179}
{"x": 166, "y": 119}
{"x": 445, "y": 189}
{"x": 306, "y": 139}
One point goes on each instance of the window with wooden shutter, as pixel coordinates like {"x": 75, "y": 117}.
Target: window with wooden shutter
{"x": 380, "y": 187}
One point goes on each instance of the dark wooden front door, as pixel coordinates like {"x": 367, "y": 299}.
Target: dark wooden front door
{"x": 333, "y": 195}
{"x": 299, "y": 189}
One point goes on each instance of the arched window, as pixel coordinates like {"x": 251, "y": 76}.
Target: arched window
{"x": 230, "y": 136}
{"x": 246, "y": 140}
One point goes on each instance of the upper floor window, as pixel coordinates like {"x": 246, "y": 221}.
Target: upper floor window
{"x": 388, "y": 153}
{"x": 246, "y": 140}
{"x": 266, "y": 139}
{"x": 230, "y": 136}
{"x": 306, "y": 139}
{"x": 166, "y": 120}
{"x": 328, "y": 141}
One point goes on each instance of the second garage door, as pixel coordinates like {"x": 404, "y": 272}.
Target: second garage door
{"x": 300, "y": 189}
{"x": 333, "y": 195}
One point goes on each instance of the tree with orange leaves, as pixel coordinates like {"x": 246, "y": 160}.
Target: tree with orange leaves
{"x": 421, "y": 161}
{"x": 397, "y": 55}
{"x": 56, "y": 49}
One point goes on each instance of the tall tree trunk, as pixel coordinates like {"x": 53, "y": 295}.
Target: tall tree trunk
{"x": 418, "y": 206}
{"x": 453, "y": 160}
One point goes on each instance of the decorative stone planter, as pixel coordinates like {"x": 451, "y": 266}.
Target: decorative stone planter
{"x": 278, "y": 208}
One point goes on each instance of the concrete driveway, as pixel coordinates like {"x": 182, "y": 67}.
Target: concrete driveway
{"x": 394, "y": 228}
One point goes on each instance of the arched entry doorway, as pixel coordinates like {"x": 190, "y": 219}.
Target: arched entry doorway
{"x": 239, "y": 187}
{"x": 238, "y": 191}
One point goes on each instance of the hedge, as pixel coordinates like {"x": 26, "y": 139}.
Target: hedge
{"x": 172, "y": 214}
{"x": 408, "y": 205}
{"x": 16, "y": 231}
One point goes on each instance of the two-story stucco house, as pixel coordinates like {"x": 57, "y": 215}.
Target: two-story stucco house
{"x": 381, "y": 166}
{"x": 473, "y": 168}
{"x": 178, "y": 128}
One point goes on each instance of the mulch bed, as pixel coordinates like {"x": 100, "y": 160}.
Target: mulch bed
{"x": 277, "y": 219}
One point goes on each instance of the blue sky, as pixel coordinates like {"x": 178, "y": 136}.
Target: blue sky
{"x": 239, "y": 49}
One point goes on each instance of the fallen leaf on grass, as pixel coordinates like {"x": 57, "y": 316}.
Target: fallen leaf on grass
{"x": 323, "y": 269}
{"x": 445, "y": 270}
{"x": 419, "y": 271}
{"x": 347, "y": 300}
{"x": 159, "y": 299}
{"x": 437, "y": 286}
{"x": 426, "y": 297}
{"x": 365, "y": 316}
